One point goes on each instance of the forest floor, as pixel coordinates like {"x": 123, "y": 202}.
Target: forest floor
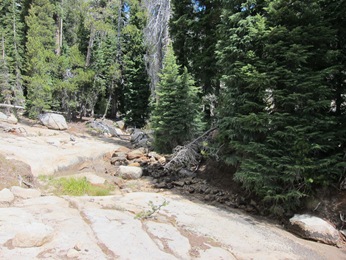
{"x": 29, "y": 143}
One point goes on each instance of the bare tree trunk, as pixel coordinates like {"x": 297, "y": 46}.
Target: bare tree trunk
{"x": 90, "y": 46}
{"x": 58, "y": 36}
{"x": 156, "y": 36}
{"x": 3, "y": 47}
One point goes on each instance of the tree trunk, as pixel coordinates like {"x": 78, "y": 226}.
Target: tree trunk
{"x": 90, "y": 46}
{"x": 156, "y": 36}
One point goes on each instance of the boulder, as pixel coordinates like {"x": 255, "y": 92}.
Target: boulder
{"x": 314, "y": 228}
{"x": 6, "y": 197}
{"x": 25, "y": 193}
{"x": 8, "y": 119}
{"x": 53, "y": 121}
{"x": 33, "y": 235}
{"x": 130, "y": 172}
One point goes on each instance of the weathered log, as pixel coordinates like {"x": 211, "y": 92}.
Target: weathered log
{"x": 187, "y": 155}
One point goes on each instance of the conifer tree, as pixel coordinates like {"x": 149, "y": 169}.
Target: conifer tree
{"x": 193, "y": 29}
{"x": 174, "y": 114}
{"x": 136, "y": 82}
{"x": 11, "y": 37}
{"x": 40, "y": 55}
{"x": 274, "y": 118}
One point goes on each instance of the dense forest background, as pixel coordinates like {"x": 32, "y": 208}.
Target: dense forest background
{"x": 270, "y": 76}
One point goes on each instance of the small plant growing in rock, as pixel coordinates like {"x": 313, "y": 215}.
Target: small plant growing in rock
{"x": 145, "y": 214}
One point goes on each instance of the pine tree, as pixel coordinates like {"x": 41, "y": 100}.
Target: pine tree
{"x": 193, "y": 28}
{"x": 174, "y": 114}
{"x": 40, "y": 55}
{"x": 274, "y": 116}
{"x": 5, "y": 86}
{"x": 136, "y": 82}
{"x": 11, "y": 34}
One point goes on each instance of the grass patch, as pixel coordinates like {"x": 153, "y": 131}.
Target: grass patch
{"x": 79, "y": 187}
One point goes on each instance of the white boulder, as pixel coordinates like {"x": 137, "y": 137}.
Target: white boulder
{"x": 8, "y": 119}
{"x": 314, "y": 228}
{"x": 53, "y": 121}
{"x": 130, "y": 172}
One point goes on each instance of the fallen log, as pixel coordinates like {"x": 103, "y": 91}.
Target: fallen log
{"x": 12, "y": 106}
{"x": 187, "y": 155}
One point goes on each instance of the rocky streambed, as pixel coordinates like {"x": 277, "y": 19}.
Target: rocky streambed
{"x": 148, "y": 215}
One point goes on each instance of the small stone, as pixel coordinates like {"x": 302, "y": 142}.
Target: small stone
{"x": 162, "y": 160}
{"x": 191, "y": 190}
{"x": 207, "y": 197}
{"x": 161, "y": 185}
{"x": 73, "y": 253}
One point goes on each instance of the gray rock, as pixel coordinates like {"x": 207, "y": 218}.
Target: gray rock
{"x": 6, "y": 197}
{"x": 53, "y": 121}
{"x": 33, "y": 235}
{"x": 314, "y": 228}
{"x": 130, "y": 172}
{"x": 25, "y": 193}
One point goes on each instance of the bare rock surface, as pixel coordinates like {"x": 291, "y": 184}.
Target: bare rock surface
{"x": 48, "y": 151}
{"x": 109, "y": 228}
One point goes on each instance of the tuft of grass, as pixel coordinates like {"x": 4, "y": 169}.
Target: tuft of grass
{"x": 79, "y": 187}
